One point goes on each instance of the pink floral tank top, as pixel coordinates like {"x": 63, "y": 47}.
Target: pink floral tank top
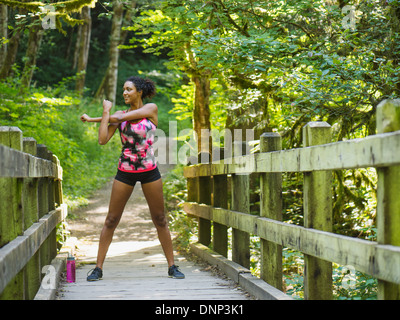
{"x": 137, "y": 152}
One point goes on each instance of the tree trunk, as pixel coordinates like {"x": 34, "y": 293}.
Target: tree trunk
{"x": 112, "y": 77}
{"x": 77, "y": 46}
{"x": 106, "y": 82}
{"x": 84, "y": 45}
{"x": 34, "y": 41}
{"x": 3, "y": 32}
{"x": 11, "y": 55}
{"x": 201, "y": 110}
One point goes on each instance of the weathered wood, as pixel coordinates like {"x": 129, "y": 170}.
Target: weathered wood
{"x": 11, "y": 137}
{"x": 379, "y": 150}
{"x": 11, "y": 215}
{"x": 388, "y": 199}
{"x": 20, "y": 206}
{"x": 43, "y": 204}
{"x": 52, "y": 239}
{"x": 30, "y": 196}
{"x": 140, "y": 273}
{"x": 15, "y": 255}
{"x": 255, "y": 286}
{"x": 204, "y": 194}
{"x": 241, "y": 202}
{"x": 58, "y": 191}
{"x": 11, "y": 219}
{"x": 380, "y": 261}
{"x": 315, "y": 239}
{"x": 271, "y": 207}
{"x": 16, "y": 164}
{"x": 220, "y": 199}
{"x": 32, "y": 272}
{"x": 317, "y": 215}
{"x": 192, "y": 187}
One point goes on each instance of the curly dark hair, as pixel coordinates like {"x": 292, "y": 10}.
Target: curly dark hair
{"x": 147, "y": 86}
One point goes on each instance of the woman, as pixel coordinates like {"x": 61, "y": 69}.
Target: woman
{"x": 136, "y": 163}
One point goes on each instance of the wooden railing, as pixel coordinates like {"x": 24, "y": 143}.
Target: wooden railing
{"x": 31, "y": 206}
{"x": 315, "y": 239}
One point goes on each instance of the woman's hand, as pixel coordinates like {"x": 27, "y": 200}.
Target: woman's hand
{"x": 107, "y": 105}
{"x": 85, "y": 118}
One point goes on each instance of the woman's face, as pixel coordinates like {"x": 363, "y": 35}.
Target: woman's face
{"x": 131, "y": 95}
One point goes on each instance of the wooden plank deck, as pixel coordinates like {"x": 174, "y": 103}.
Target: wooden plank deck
{"x": 135, "y": 266}
{"x": 138, "y": 271}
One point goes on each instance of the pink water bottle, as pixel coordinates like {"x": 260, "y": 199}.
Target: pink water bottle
{"x": 71, "y": 269}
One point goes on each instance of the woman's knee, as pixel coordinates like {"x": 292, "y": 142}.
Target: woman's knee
{"x": 111, "y": 222}
{"x": 160, "y": 220}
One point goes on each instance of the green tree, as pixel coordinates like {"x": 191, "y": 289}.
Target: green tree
{"x": 284, "y": 63}
{"x": 173, "y": 28}
{"x": 31, "y": 17}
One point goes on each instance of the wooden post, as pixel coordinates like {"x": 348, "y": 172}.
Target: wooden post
{"x": 204, "y": 196}
{"x": 271, "y": 207}
{"x": 30, "y": 195}
{"x": 317, "y": 215}
{"x": 43, "y": 205}
{"x": 58, "y": 192}
{"x": 11, "y": 215}
{"x": 43, "y": 194}
{"x": 51, "y": 206}
{"x": 388, "y": 200}
{"x": 192, "y": 189}
{"x": 220, "y": 199}
{"x": 32, "y": 272}
{"x": 11, "y": 219}
{"x": 241, "y": 202}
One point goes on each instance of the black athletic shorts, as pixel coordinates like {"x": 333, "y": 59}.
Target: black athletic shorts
{"x": 143, "y": 177}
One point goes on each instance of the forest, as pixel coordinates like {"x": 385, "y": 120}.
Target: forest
{"x": 269, "y": 66}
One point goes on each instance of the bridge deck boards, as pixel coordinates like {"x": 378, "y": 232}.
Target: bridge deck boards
{"x": 135, "y": 267}
{"x": 135, "y": 272}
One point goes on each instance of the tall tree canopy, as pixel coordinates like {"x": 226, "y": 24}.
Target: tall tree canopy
{"x": 331, "y": 60}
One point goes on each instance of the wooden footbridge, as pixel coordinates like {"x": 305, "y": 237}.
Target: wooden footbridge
{"x": 218, "y": 196}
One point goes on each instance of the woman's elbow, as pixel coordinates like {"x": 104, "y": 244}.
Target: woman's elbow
{"x": 120, "y": 118}
{"x": 102, "y": 142}
{"x": 117, "y": 117}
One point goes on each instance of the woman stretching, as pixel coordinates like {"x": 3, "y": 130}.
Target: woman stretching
{"x": 136, "y": 163}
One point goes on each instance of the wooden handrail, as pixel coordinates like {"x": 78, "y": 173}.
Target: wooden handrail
{"x": 316, "y": 160}
{"x": 380, "y": 150}
{"x": 31, "y": 206}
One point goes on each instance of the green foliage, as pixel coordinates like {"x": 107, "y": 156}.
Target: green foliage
{"x": 61, "y": 11}
{"x": 274, "y": 66}
{"x": 293, "y": 268}
{"x": 52, "y": 118}
{"x": 184, "y": 101}
{"x": 349, "y": 284}
{"x": 175, "y": 192}
{"x": 303, "y": 57}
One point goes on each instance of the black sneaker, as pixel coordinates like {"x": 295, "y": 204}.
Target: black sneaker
{"x": 96, "y": 274}
{"x": 174, "y": 272}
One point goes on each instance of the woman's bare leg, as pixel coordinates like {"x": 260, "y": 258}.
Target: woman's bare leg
{"x": 119, "y": 197}
{"x": 153, "y": 192}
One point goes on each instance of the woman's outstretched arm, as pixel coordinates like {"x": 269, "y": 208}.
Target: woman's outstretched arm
{"x": 112, "y": 118}
{"x": 149, "y": 111}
